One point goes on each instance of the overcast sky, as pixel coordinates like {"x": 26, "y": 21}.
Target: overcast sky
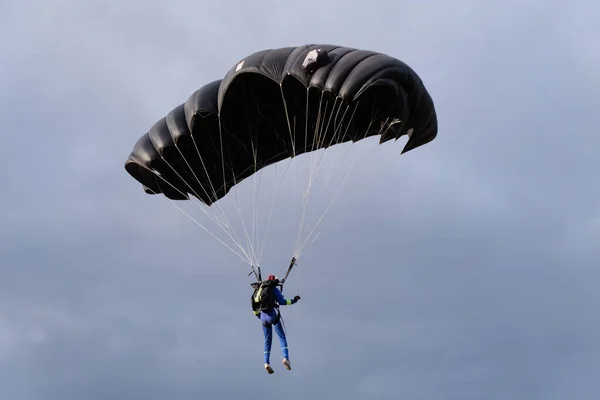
{"x": 479, "y": 251}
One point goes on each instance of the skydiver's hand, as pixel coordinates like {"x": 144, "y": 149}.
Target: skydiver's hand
{"x": 296, "y": 298}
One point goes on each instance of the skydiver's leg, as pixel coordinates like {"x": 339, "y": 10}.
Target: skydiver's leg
{"x": 284, "y": 346}
{"x": 266, "y": 317}
{"x": 268, "y": 332}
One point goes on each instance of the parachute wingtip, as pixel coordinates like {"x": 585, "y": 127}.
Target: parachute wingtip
{"x": 413, "y": 144}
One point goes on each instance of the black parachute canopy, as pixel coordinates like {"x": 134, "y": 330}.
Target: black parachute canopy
{"x": 275, "y": 104}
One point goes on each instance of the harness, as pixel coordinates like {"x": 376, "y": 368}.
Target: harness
{"x": 262, "y": 298}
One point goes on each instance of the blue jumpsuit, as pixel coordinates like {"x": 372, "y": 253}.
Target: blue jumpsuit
{"x": 267, "y": 317}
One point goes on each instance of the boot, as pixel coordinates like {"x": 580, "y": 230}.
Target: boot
{"x": 286, "y": 364}
{"x": 269, "y": 369}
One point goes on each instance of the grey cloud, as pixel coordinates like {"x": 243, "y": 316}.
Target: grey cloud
{"x": 479, "y": 250}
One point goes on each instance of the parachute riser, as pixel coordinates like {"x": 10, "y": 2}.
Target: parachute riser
{"x": 292, "y": 263}
{"x": 256, "y": 272}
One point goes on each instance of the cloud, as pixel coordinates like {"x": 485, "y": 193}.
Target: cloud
{"x": 464, "y": 269}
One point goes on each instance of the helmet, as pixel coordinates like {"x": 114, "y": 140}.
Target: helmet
{"x": 272, "y": 278}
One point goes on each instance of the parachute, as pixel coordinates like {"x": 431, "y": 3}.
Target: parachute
{"x": 274, "y": 105}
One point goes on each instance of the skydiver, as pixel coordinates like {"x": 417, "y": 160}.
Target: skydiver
{"x": 266, "y": 300}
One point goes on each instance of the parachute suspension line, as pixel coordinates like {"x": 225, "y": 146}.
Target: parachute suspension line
{"x": 212, "y": 217}
{"x": 292, "y": 133}
{"x": 187, "y": 215}
{"x": 240, "y": 214}
{"x": 255, "y": 244}
{"x": 303, "y": 245}
{"x": 275, "y": 187}
{"x": 253, "y": 253}
{"x": 320, "y": 138}
{"x": 218, "y": 216}
{"x": 250, "y": 237}
{"x": 201, "y": 208}
{"x": 315, "y": 167}
{"x": 317, "y": 142}
{"x": 249, "y": 253}
{"x": 310, "y": 238}
{"x": 307, "y": 241}
{"x": 221, "y": 220}
{"x": 256, "y": 232}
{"x": 250, "y": 250}
{"x": 253, "y": 234}
{"x": 225, "y": 224}
{"x": 253, "y": 249}
{"x": 224, "y": 219}
{"x": 245, "y": 259}
{"x": 326, "y": 180}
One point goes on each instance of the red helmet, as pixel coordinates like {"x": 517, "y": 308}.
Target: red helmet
{"x": 271, "y": 278}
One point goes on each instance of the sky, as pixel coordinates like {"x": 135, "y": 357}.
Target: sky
{"x": 465, "y": 269}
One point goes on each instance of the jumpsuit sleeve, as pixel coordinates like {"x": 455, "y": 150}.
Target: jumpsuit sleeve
{"x": 280, "y": 299}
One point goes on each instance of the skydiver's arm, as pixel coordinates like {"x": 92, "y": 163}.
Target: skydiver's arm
{"x": 280, "y": 299}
